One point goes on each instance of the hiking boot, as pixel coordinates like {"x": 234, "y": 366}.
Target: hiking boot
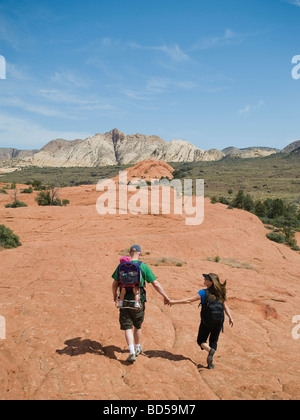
{"x": 131, "y": 358}
{"x": 138, "y": 352}
{"x": 210, "y": 359}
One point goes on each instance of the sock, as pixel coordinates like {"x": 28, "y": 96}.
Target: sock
{"x": 137, "y": 346}
{"x": 131, "y": 348}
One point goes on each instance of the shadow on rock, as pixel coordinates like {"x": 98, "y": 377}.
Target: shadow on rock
{"x": 77, "y": 346}
{"x": 167, "y": 355}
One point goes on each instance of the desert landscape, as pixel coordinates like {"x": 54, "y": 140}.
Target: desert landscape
{"x": 62, "y": 332}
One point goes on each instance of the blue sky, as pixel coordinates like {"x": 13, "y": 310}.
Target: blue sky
{"x": 216, "y": 73}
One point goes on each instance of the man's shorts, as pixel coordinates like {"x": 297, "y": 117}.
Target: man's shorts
{"x": 130, "y": 318}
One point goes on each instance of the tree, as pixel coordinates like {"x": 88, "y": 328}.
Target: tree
{"x": 259, "y": 208}
{"x": 248, "y": 203}
{"x": 238, "y": 201}
{"x": 278, "y": 208}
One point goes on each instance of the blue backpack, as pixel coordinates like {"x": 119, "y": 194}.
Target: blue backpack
{"x": 130, "y": 275}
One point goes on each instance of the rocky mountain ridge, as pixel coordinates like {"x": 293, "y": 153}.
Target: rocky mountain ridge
{"x": 116, "y": 148}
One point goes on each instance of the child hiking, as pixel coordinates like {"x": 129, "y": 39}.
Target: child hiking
{"x": 124, "y": 289}
{"x": 213, "y": 302}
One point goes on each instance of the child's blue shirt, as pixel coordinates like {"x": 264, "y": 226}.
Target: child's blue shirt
{"x": 202, "y": 294}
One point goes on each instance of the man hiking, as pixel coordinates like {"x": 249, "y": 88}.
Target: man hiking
{"x": 131, "y": 318}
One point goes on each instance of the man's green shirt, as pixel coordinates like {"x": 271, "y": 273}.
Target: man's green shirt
{"x": 147, "y": 275}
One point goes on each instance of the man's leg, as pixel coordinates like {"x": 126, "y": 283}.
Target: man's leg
{"x": 130, "y": 340}
{"x": 137, "y": 339}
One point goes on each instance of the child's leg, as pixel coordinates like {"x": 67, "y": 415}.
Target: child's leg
{"x": 136, "y": 297}
{"x": 121, "y": 298}
{"x": 136, "y": 294}
{"x": 122, "y": 294}
{"x": 205, "y": 347}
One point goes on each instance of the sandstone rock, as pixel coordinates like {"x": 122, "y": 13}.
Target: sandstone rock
{"x": 62, "y": 334}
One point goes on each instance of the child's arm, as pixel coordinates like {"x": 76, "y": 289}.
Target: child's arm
{"x": 227, "y": 311}
{"x": 183, "y": 301}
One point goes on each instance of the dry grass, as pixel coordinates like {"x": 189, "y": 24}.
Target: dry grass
{"x": 232, "y": 262}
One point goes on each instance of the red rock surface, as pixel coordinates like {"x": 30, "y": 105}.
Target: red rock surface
{"x": 62, "y": 334}
{"x": 148, "y": 170}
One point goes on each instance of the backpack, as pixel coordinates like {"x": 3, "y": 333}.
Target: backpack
{"x": 130, "y": 275}
{"x": 212, "y": 313}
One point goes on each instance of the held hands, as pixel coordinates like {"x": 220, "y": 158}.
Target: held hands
{"x": 168, "y": 302}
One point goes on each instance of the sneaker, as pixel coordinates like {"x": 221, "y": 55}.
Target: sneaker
{"x": 138, "y": 351}
{"x": 131, "y": 358}
{"x": 137, "y": 304}
{"x": 210, "y": 359}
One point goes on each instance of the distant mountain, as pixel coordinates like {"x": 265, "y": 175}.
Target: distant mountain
{"x": 10, "y": 153}
{"x": 291, "y": 147}
{"x": 116, "y": 148}
{"x": 250, "y": 152}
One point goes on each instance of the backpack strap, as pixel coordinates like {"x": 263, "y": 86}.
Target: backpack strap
{"x": 139, "y": 263}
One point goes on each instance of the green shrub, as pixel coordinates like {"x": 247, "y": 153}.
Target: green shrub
{"x": 16, "y": 204}
{"x": 276, "y": 237}
{"x": 3, "y": 191}
{"x": 37, "y": 184}
{"x": 49, "y": 198}
{"x": 27, "y": 191}
{"x": 45, "y": 198}
{"x": 8, "y": 239}
{"x": 223, "y": 200}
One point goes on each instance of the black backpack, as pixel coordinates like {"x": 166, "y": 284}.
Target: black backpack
{"x": 212, "y": 313}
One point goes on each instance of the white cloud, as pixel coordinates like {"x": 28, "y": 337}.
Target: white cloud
{"x": 174, "y": 52}
{"x": 87, "y": 103}
{"x": 24, "y": 134}
{"x": 294, "y": 2}
{"x": 249, "y": 108}
{"x": 229, "y": 38}
{"x": 70, "y": 79}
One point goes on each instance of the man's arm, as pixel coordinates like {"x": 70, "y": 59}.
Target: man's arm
{"x": 161, "y": 291}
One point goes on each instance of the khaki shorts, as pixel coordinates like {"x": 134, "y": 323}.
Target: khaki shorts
{"x": 130, "y": 318}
